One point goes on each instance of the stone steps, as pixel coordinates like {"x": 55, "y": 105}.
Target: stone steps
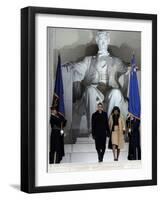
{"x": 84, "y": 157}
{"x": 84, "y": 151}
{"x": 84, "y": 146}
{"x": 85, "y": 140}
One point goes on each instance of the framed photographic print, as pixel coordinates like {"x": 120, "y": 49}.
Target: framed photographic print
{"x": 88, "y": 99}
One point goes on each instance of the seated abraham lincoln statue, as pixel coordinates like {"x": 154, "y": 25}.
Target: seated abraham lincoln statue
{"x": 95, "y": 79}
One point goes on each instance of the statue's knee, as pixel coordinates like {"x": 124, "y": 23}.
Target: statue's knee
{"x": 89, "y": 90}
{"x": 116, "y": 92}
{"x": 115, "y": 95}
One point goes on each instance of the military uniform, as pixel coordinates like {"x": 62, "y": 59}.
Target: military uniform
{"x": 57, "y": 122}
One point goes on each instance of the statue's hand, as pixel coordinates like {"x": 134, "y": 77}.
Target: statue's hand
{"x": 114, "y": 85}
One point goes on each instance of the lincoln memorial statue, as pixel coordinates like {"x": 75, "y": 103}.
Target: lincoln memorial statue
{"x": 101, "y": 77}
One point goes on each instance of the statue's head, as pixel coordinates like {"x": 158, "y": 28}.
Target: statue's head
{"x": 102, "y": 40}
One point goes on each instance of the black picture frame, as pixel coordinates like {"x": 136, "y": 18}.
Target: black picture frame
{"x": 28, "y": 98}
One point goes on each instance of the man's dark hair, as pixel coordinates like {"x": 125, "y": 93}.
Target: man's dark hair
{"x": 100, "y": 104}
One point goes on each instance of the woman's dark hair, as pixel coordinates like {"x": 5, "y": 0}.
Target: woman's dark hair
{"x": 115, "y": 108}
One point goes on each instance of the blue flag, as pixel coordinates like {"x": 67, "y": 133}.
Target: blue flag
{"x": 58, "y": 98}
{"x": 134, "y": 97}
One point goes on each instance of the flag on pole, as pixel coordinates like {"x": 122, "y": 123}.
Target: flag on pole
{"x": 58, "y": 97}
{"x": 134, "y": 96}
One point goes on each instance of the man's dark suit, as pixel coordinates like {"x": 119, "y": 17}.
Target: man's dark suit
{"x": 100, "y": 130}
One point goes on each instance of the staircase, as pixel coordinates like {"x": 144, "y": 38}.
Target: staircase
{"x": 83, "y": 151}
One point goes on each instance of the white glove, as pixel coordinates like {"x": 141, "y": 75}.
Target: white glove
{"x": 61, "y": 132}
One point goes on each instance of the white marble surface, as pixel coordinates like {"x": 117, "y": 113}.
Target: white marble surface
{"x": 87, "y": 145}
{"x": 112, "y": 165}
{"x": 83, "y": 156}
{"x": 91, "y": 157}
{"x": 84, "y": 151}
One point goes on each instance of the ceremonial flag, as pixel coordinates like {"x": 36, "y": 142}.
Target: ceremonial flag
{"x": 58, "y": 97}
{"x": 134, "y": 97}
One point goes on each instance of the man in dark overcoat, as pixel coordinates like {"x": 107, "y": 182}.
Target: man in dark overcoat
{"x": 100, "y": 130}
{"x": 133, "y": 125}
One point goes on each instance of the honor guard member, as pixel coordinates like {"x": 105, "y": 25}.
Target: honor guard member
{"x": 57, "y": 122}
